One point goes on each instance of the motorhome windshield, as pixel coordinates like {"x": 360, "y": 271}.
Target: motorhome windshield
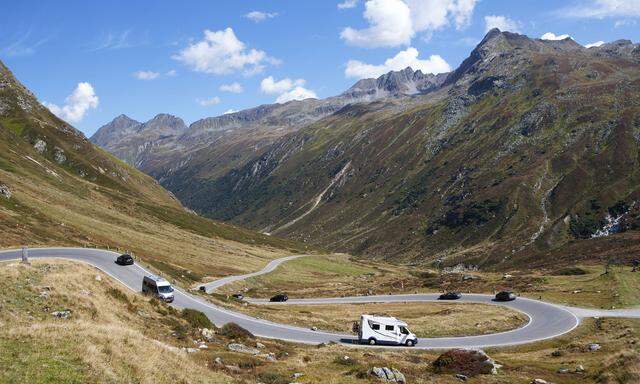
{"x": 405, "y": 330}
{"x": 165, "y": 289}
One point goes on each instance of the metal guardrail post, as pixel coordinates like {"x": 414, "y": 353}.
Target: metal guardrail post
{"x": 25, "y": 255}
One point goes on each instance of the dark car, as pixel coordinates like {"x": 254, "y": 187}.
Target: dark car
{"x": 203, "y": 288}
{"x": 505, "y": 296}
{"x": 125, "y": 259}
{"x": 279, "y": 297}
{"x": 238, "y": 296}
{"x": 450, "y": 296}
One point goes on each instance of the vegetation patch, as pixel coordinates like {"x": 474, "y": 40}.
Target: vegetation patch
{"x": 196, "y": 319}
{"x": 234, "y": 331}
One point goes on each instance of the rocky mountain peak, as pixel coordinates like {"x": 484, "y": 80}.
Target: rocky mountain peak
{"x": 394, "y": 83}
{"x": 164, "y": 124}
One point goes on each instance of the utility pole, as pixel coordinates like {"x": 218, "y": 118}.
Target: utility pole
{"x": 25, "y": 255}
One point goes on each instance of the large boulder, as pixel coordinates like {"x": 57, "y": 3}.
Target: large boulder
{"x": 241, "y": 348}
{"x": 469, "y": 362}
{"x": 388, "y": 375}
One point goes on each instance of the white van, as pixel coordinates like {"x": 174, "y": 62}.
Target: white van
{"x": 158, "y": 287}
{"x": 385, "y": 330}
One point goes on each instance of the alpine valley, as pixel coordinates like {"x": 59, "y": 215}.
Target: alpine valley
{"x": 528, "y": 151}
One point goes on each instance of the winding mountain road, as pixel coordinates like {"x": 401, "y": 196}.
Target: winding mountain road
{"x": 546, "y": 320}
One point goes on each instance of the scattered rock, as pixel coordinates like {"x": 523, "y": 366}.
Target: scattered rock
{"x": 269, "y": 356}
{"x": 540, "y": 381}
{"x": 260, "y": 345}
{"x": 469, "y": 362}
{"x": 389, "y": 375}
{"x": 40, "y": 146}
{"x": 297, "y": 375}
{"x": 314, "y": 328}
{"x": 579, "y": 369}
{"x": 241, "y": 348}
{"x": 461, "y": 377}
{"x": 556, "y": 353}
{"x": 594, "y": 346}
{"x": 5, "y": 191}
{"x": 59, "y": 156}
{"x": 98, "y": 278}
{"x": 44, "y": 295}
{"x": 62, "y": 314}
{"x": 563, "y": 370}
{"x": 190, "y": 350}
{"x": 217, "y": 361}
{"x": 207, "y": 334}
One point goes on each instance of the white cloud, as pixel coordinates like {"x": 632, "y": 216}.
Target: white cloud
{"x": 171, "y": 73}
{"x": 220, "y": 53}
{"x": 407, "y": 58}
{"x": 233, "y": 88}
{"x": 258, "y": 16}
{"x": 208, "y": 102}
{"x": 146, "y": 75}
{"x": 297, "y": 93}
{"x": 596, "y": 44}
{"x": 76, "y": 104}
{"x": 624, "y": 23}
{"x": 269, "y": 85}
{"x": 600, "y": 9}
{"x": 287, "y": 89}
{"x": 347, "y": 4}
{"x": 553, "y": 36}
{"x": 396, "y": 22}
{"x": 501, "y": 22}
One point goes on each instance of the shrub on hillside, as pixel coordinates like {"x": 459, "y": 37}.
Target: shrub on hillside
{"x": 196, "y": 319}
{"x": 570, "y": 271}
{"x": 234, "y": 331}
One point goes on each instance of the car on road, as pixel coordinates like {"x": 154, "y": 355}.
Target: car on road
{"x": 202, "y": 288}
{"x": 238, "y": 296}
{"x": 157, "y": 287}
{"x": 124, "y": 259}
{"x": 280, "y": 297}
{"x": 450, "y": 296}
{"x": 374, "y": 330}
{"x": 505, "y": 296}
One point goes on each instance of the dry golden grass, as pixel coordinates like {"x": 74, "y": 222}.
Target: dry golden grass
{"x": 424, "y": 319}
{"x": 106, "y": 339}
{"x": 122, "y": 338}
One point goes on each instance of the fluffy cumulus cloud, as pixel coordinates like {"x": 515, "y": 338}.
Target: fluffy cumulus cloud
{"x": 233, "y": 88}
{"x": 396, "y": 22}
{"x": 503, "y": 23}
{"x": 146, "y": 75}
{"x": 258, "y": 16}
{"x": 553, "y": 36}
{"x": 600, "y": 9}
{"x": 208, "y": 102}
{"x": 220, "y": 52}
{"x": 76, "y": 105}
{"x": 347, "y": 4}
{"x": 407, "y": 58}
{"x": 286, "y": 89}
{"x": 595, "y": 44}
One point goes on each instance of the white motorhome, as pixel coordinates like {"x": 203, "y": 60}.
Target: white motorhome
{"x": 158, "y": 287}
{"x": 385, "y": 330}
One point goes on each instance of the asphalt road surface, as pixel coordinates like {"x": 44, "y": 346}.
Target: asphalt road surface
{"x": 546, "y": 320}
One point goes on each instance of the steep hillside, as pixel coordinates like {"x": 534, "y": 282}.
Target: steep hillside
{"x": 528, "y": 146}
{"x": 57, "y": 188}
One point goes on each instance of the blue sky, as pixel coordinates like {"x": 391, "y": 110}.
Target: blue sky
{"x": 93, "y": 60}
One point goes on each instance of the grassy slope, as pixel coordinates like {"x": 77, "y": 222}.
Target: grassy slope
{"x": 90, "y": 198}
{"x": 107, "y": 339}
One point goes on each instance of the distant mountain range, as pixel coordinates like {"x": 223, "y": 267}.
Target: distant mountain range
{"x": 528, "y": 146}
